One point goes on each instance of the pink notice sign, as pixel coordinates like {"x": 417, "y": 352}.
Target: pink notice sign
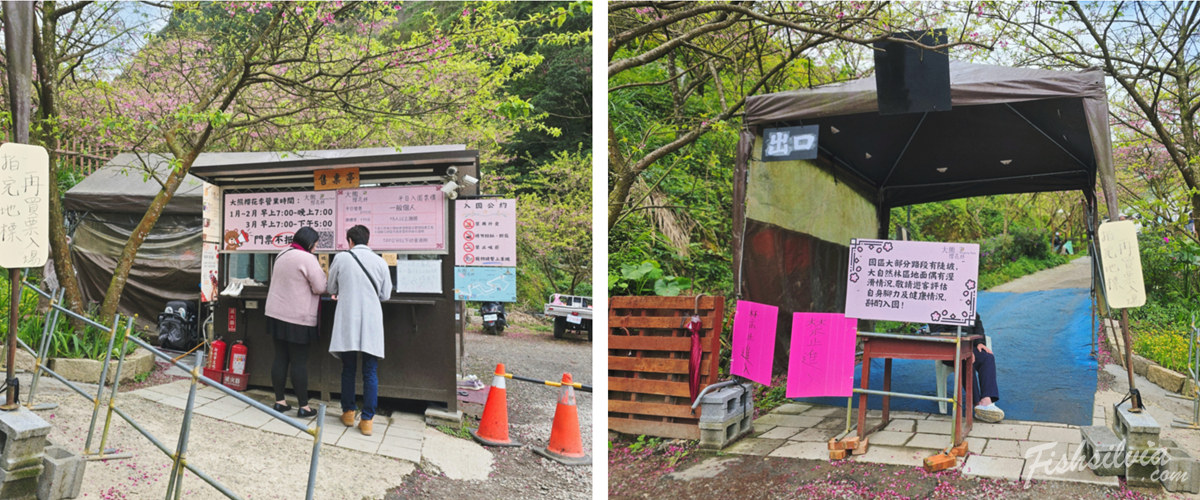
{"x": 486, "y": 231}
{"x": 754, "y": 341}
{"x": 267, "y": 221}
{"x": 914, "y": 281}
{"x": 822, "y": 355}
{"x": 400, "y": 218}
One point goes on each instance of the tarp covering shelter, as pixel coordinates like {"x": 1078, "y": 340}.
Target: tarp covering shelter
{"x": 1010, "y": 130}
{"x": 109, "y": 204}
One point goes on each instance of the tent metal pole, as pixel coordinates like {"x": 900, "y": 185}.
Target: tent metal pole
{"x": 1047, "y": 136}
{"x": 899, "y": 157}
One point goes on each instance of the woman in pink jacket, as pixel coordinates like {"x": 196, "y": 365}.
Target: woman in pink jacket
{"x": 297, "y": 283}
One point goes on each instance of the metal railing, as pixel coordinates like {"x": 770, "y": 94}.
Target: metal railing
{"x": 1194, "y": 371}
{"x": 179, "y": 454}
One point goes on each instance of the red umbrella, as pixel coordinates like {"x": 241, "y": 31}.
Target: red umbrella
{"x": 694, "y": 361}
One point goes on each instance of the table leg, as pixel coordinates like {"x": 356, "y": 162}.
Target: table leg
{"x": 970, "y": 399}
{"x": 887, "y": 387}
{"x": 862, "y": 398}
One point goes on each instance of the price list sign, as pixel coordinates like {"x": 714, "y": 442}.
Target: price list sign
{"x": 267, "y": 221}
{"x": 24, "y": 206}
{"x": 487, "y": 232}
{"x": 400, "y": 218}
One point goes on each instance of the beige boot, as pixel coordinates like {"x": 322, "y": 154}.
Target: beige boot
{"x": 365, "y": 426}
{"x": 348, "y": 418}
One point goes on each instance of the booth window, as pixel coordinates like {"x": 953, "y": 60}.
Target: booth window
{"x": 255, "y": 266}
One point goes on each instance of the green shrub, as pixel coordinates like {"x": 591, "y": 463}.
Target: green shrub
{"x": 1168, "y": 348}
{"x": 1012, "y": 270}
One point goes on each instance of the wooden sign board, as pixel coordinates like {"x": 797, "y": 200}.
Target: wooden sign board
{"x": 1121, "y": 263}
{"x": 24, "y": 206}
{"x": 335, "y": 178}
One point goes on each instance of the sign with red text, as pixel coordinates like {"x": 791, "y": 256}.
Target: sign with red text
{"x": 400, "y": 218}
{"x": 267, "y": 221}
{"x": 753, "y": 352}
{"x": 822, "y": 355}
{"x": 487, "y": 232}
{"x": 24, "y": 206}
{"x": 913, "y": 281}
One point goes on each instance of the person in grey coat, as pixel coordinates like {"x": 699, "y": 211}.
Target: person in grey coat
{"x": 360, "y": 280}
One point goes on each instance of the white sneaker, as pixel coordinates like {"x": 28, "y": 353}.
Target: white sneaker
{"x": 989, "y": 413}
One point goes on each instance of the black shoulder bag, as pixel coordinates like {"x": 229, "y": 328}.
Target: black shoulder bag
{"x": 364, "y": 268}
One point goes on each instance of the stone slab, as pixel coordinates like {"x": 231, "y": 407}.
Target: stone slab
{"x": 1136, "y": 422}
{"x": 975, "y": 445}
{"x": 1162, "y": 377}
{"x": 893, "y": 455}
{"x": 821, "y": 435}
{"x": 62, "y": 474}
{"x": 993, "y": 467}
{"x": 1058, "y": 434}
{"x": 780, "y": 420}
{"x": 901, "y": 425}
{"x": 23, "y": 439}
{"x": 754, "y": 446}
{"x": 792, "y": 408}
{"x": 802, "y": 449}
{"x": 1004, "y": 448}
{"x": 829, "y": 411}
{"x": 935, "y": 427}
{"x": 1000, "y": 431}
{"x": 458, "y": 459}
{"x": 780, "y": 433}
{"x": 930, "y": 441}
{"x": 1071, "y": 475}
{"x": 889, "y": 438}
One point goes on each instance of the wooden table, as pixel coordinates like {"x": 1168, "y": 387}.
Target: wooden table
{"x": 932, "y": 347}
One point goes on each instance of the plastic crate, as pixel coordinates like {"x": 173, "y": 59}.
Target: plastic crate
{"x": 235, "y": 381}
{"x": 217, "y": 375}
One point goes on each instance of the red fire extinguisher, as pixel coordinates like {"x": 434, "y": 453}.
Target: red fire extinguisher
{"x": 237, "y": 358}
{"x": 216, "y": 355}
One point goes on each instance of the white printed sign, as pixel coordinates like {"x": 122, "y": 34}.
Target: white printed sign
{"x": 1122, "y": 264}
{"x": 487, "y": 232}
{"x": 419, "y": 276}
{"x": 24, "y": 206}
{"x": 913, "y": 281}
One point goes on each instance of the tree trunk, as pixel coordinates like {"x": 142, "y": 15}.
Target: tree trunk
{"x": 45, "y": 53}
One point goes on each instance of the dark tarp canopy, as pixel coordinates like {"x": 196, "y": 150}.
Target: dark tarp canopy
{"x": 109, "y": 204}
{"x": 1011, "y": 130}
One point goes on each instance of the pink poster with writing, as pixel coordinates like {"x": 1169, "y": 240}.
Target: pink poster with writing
{"x": 822, "y": 355}
{"x": 913, "y": 281}
{"x": 754, "y": 341}
{"x": 267, "y": 221}
{"x": 404, "y": 218}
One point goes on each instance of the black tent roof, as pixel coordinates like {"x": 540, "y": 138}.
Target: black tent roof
{"x": 1011, "y": 130}
{"x": 122, "y": 186}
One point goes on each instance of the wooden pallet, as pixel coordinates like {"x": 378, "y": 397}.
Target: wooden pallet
{"x": 648, "y": 351}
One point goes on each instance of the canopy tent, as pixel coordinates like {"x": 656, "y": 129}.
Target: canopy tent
{"x": 109, "y": 204}
{"x": 1010, "y": 130}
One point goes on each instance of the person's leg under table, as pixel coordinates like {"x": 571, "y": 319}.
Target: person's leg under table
{"x": 370, "y": 385}
{"x": 349, "y": 367}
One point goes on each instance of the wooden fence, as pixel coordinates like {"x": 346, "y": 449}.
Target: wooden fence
{"x": 82, "y": 157}
{"x": 648, "y": 352}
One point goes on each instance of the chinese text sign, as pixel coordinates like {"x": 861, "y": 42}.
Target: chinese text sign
{"x": 24, "y": 206}
{"x": 401, "y": 218}
{"x": 487, "y": 232}
{"x": 821, "y": 362}
{"x": 1122, "y": 264}
{"x": 790, "y": 143}
{"x": 754, "y": 341}
{"x": 267, "y": 221}
{"x": 913, "y": 281}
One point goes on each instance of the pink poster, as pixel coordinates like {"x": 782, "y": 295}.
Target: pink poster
{"x": 754, "y": 341}
{"x": 267, "y": 221}
{"x": 486, "y": 232}
{"x": 400, "y": 218}
{"x": 822, "y": 355}
{"x": 913, "y": 281}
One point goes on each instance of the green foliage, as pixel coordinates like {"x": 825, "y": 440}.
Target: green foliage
{"x": 767, "y": 398}
{"x": 646, "y": 278}
{"x": 642, "y": 443}
{"x": 1008, "y": 271}
{"x": 1168, "y": 348}
{"x": 66, "y": 341}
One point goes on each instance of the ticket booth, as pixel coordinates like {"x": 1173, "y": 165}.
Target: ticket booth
{"x": 256, "y": 201}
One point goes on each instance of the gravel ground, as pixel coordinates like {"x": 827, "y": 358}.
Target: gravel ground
{"x": 528, "y": 350}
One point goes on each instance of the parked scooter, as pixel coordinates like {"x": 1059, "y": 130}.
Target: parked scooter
{"x": 493, "y": 317}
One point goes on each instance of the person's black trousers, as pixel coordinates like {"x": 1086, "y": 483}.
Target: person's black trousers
{"x": 296, "y": 355}
{"x": 985, "y": 376}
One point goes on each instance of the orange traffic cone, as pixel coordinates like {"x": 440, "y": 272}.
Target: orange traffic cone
{"x": 566, "y": 446}
{"x": 493, "y": 426}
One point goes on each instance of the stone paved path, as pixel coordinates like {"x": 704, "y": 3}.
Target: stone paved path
{"x": 399, "y": 435}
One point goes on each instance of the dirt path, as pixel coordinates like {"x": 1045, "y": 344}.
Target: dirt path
{"x": 1074, "y": 274}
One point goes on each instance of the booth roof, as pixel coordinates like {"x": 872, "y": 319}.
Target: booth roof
{"x": 291, "y": 168}
{"x": 1011, "y": 130}
{"x": 121, "y": 186}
